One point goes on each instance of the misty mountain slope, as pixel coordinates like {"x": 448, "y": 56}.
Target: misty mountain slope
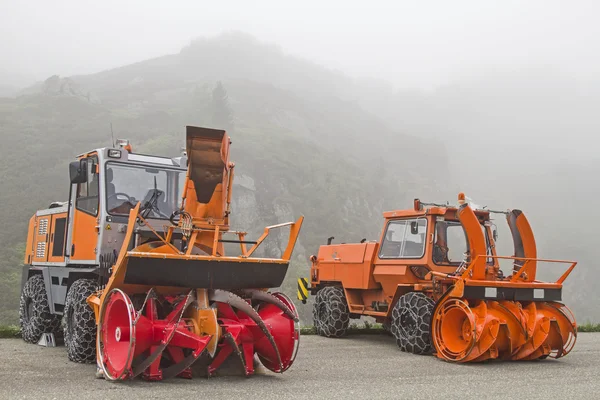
{"x": 292, "y": 83}
{"x": 525, "y": 139}
{"x": 296, "y": 152}
{"x": 229, "y": 56}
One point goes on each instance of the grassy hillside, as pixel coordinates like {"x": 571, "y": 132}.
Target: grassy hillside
{"x": 300, "y": 147}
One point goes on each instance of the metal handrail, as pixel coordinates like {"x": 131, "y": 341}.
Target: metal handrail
{"x": 524, "y": 266}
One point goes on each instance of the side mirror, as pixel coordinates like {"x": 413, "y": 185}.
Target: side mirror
{"x": 414, "y": 227}
{"x": 495, "y": 235}
{"x": 78, "y": 171}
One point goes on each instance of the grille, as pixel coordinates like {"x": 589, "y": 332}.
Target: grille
{"x": 41, "y": 250}
{"x": 43, "y": 228}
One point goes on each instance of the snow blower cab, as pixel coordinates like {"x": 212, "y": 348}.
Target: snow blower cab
{"x": 72, "y": 245}
{"x": 165, "y": 290}
{"x": 434, "y": 280}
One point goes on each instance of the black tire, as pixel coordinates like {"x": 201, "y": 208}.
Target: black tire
{"x": 411, "y": 322}
{"x": 34, "y": 311}
{"x": 80, "y": 323}
{"x": 330, "y": 312}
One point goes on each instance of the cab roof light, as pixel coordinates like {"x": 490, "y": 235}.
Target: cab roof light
{"x": 124, "y": 144}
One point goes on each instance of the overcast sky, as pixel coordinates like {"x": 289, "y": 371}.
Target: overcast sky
{"x": 413, "y": 44}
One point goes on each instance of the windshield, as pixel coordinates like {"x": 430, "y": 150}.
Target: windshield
{"x": 450, "y": 243}
{"x": 404, "y": 239}
{"x": 158, "y": 189}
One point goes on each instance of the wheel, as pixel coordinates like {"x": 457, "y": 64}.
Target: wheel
{"x": 34, "y": 312}
{"x": 330, "y": 312}
{"x": 80, "y": 323}
{"x": 411, "y": 321}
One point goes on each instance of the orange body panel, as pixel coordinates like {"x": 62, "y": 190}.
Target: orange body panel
{"x": 41, "y": 237}
{"x": 85, "y": 237}
{"x": 351, "y": 263}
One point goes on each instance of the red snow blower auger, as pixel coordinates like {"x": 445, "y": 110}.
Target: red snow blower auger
{"x": 173, "y": 294}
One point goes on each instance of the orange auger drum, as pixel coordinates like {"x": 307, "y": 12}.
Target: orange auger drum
{"x": 484, "y": 315}
{"x": 479, "y": 330}
{"x": 434, "y": 281}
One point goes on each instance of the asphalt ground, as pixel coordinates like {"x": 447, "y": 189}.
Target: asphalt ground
{"x": 355, "y": 367}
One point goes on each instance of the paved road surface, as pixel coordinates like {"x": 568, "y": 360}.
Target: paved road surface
{"x": 357, "y": 367}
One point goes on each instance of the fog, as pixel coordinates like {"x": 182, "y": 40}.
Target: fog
{"x": 411, "y": 44}
{"x": 500, "y": 96}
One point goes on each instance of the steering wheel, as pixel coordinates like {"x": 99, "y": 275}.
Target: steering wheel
{"x": 116, "y": 195}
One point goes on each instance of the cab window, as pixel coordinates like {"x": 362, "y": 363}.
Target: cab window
{"x": 450, "y": 245}
{"x": 404, "y": 239}
{"x": 87, "y": 192}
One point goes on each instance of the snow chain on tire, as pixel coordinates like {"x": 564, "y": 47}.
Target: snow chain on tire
{"x": 34, "y": 311}
{"x": 79, "y": 322}
{"x": 411, "y": 322}
{"x": 330, "y": 312}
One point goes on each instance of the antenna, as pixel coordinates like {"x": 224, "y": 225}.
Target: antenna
{"x": 112, "y": 135}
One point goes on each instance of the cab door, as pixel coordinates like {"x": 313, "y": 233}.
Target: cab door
{"x": 56, "y": 253}
{"x": 86, "y": 204}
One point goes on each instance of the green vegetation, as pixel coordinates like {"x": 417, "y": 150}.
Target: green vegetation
{"x": 588, "y": 327}
{"x": 9, "y": 331}
{"x": 222, "y": 114}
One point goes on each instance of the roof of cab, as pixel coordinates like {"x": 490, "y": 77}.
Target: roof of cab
{"x": 484, "y": 214}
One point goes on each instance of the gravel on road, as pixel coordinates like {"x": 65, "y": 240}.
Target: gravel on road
{"x": 356, "y": 367}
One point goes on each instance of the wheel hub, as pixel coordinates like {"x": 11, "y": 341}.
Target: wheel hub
{"x": 408, "y": 322}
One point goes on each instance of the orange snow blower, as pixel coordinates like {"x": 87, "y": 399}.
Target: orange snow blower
{"x": 173, "y": 294}
{"x": 435, "y": 282}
